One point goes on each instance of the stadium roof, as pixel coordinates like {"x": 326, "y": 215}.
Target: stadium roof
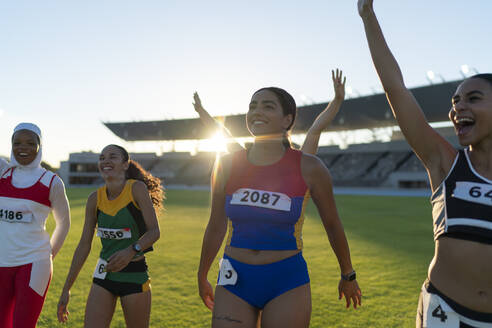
{"x": 357, "y": 113}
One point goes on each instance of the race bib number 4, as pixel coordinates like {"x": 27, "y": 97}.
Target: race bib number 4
{"x": 261, "y": 198}
{"x": 438, "y": 314}
{"x": 14, "y": 216}
{"x": 106, "y": 233}
{"x": 474, "y": 192}
{"x": 100, "y": 271}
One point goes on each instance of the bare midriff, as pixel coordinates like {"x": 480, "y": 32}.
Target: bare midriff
{"x": 462, "y": 270}
{"x": 256, "y": 257}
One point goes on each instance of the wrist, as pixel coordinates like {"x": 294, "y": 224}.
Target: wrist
{"x": 349, "y": 276}
{"x": 136, "y": 248}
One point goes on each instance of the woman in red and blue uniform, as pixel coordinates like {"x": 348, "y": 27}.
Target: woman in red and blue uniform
{"x": 261, "y": 194}
{"x": 28, "y": 193}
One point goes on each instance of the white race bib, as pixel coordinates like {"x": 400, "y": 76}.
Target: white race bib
{"x": 261, "y": 198}
{"x": 227, "y": 274}
{"x": 473, "y": 192}
{"x": 15, "y": 215}
{"x": 437, "y": 314}
{"x": 106, "y": 233}
{"x": 100, "y": 271}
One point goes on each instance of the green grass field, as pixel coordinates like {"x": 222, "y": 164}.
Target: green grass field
{"x": 390, "y": 240}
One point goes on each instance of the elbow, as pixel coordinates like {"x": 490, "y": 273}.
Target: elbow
{"x": 394, "y": 88}
{"x": 157, "y": 234}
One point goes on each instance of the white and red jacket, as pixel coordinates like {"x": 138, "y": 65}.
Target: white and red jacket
{"x": 23, "y": 214}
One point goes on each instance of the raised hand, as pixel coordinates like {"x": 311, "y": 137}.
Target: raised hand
{"x": 365, "y": 7}
{"x": 338, "y": 84}
{"x": 198, "y": 103}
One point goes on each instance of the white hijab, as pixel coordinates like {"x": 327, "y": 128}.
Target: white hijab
{"x": 36, "y": 163}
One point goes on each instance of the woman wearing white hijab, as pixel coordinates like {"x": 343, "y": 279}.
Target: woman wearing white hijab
{"x": 28, "y": 193}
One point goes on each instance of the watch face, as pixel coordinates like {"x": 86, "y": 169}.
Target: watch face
{"x": 137, "y": 247}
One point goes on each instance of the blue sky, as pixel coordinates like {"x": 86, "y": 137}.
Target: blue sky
{"x": 68, "y": 65}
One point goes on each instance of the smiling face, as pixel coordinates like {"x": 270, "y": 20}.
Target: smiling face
{"x": 25, "y": 146}
{"x": 471, "y": 113}
{"x": 266, "y": 115}
{"x": 112, "y": 164}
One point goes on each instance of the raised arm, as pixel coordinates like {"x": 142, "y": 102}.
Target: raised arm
{"x": 213, "y": 124}
{"x": 61, "y": 214}
{"x": 81, "y": 252}
{"x": 215, "y": 231}
{"x": 310, "y": 145}
{"x": 320, "y": 186}
{"x": 433, "y": 150}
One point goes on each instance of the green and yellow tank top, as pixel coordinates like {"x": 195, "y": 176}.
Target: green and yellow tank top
{"x": 120, "y": 221}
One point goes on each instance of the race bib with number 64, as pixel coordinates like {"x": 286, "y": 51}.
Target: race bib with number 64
{"x": 474, "y": 192}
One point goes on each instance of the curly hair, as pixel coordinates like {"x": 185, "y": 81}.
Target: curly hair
{"x": 137, "y": 172}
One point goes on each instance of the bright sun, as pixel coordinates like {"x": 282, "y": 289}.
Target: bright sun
{"x": 217, "y": 143}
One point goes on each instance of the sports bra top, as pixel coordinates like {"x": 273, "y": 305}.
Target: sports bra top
{"x": 265, "y": 204}
{"x": 462, "y": 205}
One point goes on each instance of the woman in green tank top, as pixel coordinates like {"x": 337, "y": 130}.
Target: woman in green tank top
{"x": 123, "y": 212}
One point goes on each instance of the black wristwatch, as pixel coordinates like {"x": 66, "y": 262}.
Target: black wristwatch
{"x": 348, "y": 277}
{"x": 136, "y": 247}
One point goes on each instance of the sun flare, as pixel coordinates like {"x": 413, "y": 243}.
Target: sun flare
{"x": 218, "y": 143}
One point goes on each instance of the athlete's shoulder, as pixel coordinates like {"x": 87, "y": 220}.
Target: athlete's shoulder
{"x": 92, "y": 199}
{"x": 312, "y": 162}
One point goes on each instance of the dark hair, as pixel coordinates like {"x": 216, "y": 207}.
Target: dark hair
{"x": 137, "y": 172}
{"x": 484, "y": 76}
{"x": 288, "y": 107}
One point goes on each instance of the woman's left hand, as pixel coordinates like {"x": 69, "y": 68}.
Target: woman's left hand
{"x": 120, "y": 259}
{"x": 351, "y": 291}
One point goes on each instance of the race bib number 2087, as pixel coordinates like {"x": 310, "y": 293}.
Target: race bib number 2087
{"x": 261, "y": 198}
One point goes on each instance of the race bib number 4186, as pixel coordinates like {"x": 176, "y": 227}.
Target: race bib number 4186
{"x": 261, "y": 198}
{"x": 14, "y": 216}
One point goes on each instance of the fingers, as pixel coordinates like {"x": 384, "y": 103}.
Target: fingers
{"x": 62, "y": 313}
{"x": 209, "y": 302}
{"x": 337, "y": 77}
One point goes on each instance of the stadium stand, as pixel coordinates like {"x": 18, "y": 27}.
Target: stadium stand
{"x": 376, "y": 164}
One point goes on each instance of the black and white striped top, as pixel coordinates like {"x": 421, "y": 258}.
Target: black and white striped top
{"x": 462, "y": 205}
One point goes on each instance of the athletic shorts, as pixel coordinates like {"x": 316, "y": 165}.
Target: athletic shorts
{"x": 23, "y": 290}
{"x": 259, "y": 284}
{"x": 132, "y": 279}
{"x": 437, "y": 310}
